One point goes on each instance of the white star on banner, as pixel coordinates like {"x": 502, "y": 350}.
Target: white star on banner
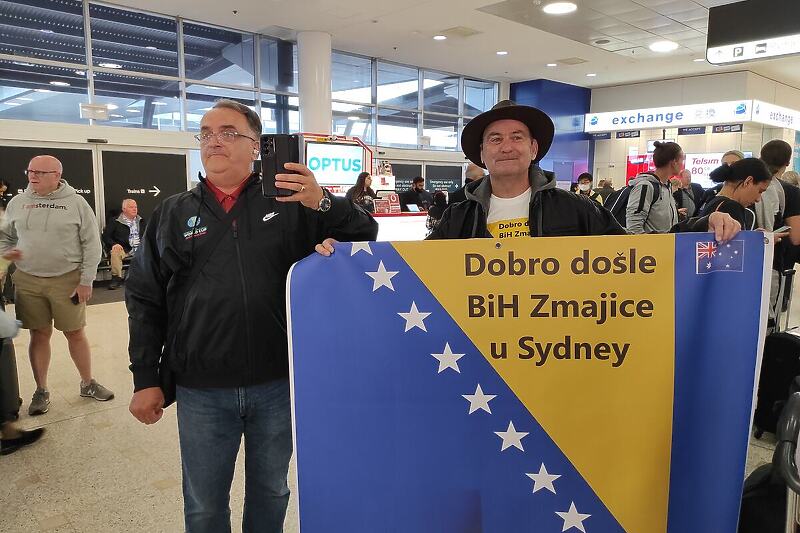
{"x": 359, "y": 247}
{"x": 479, "y": 400}
{"x": 543, "y": 480}
{"x": 573, "y": 518}
{"x": 414, "y": 318}
{"x": 511, "y": 437}
{"x": 381, "y": 278}
{"x": 448, "y": 359}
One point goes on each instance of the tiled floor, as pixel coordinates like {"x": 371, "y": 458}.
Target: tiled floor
{"x": 97, "y": 468}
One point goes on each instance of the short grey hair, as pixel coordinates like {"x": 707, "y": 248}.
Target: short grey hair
{"x": 126, "y": 201}
{"x": 253, "y": 121}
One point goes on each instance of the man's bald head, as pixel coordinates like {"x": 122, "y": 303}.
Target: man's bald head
{"x": 46, "y": 161}
{"x": 44, "y": 174}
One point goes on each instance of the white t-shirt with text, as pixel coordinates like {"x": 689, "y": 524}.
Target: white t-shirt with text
{"x": 508, "y": 217}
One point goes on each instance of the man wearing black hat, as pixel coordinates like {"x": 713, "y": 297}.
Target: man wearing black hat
{"x": 518, "y": 198}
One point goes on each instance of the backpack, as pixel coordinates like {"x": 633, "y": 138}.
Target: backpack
{"x": 617, "y": 202}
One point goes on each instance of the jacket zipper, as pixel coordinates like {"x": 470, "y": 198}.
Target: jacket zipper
{"x": 244, "y": 296}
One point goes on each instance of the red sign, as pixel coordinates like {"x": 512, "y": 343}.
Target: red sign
{"x": 638, "y": 164}
{"x": 394, "y": 202}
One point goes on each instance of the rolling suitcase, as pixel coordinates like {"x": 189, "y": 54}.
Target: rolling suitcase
{"x": 10, "y": 401}
{"x": 771, "y": 492}
{"x": 780, "y": 365}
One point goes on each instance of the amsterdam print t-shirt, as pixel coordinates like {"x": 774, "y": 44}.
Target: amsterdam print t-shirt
{"x": 508, "y": 217}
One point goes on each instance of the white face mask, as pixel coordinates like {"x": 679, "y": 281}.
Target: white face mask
{"x": 585, "y": 186}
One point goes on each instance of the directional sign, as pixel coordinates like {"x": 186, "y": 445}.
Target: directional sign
{"x": 144, "y": 177}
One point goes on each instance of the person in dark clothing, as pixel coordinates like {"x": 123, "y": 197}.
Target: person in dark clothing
{"x": 743, "y": 182}
{"x": 473, "y": 173}
{"x": 206, "y": 299}
{"x": 436, "y": 210}
{"x": 729, "y": 157}
{"x": 585, "y": 188}
{"x": 121, "y": 238}
{"x": 417, "y": 195}
{"x": 510, "y": 140}
{"x": 362, "y": 194}
{"x": 689, "y": 196}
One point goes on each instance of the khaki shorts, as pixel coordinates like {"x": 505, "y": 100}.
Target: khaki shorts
{"x": 41, "y": 301}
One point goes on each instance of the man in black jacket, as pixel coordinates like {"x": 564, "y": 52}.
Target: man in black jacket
{"x": 121, "y": 238}
{"x": 210, "y": 296}
{"x": 518, "y": 198}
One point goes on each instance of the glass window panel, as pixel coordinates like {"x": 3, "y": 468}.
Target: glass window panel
{"x": 139, "y": 102}
{"x": 42, "y": 92}
{"x": 200, "y": 98}
{"x": 398, "y": 86}
{"x": 134, "y": 41}
{"x": 354, "y": 122}
{"x": 278, "y": 65}
{"x": 397, "y": 128}
{"x": 217, "y": 55}
{"x": 351, "y": 78}
{"x": 280, "y": 113}
{"x": 440, "y": 93}
{"x": 47, "y": 29}
{"x": 479, "y": 96}
{"x": 442, "y": 130}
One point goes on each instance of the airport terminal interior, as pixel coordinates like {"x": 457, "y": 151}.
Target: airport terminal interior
{"x": 116, "y": 91}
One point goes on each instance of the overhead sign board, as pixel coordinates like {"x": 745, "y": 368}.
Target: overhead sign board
{"x": 692, "y": 130}
{"x": 670, "y": 117}
{"x": 761, "y": 49}
{"x": 728, "y": 128}
{"x": 773, "y": 115}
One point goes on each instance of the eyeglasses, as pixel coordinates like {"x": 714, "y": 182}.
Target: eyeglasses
{"x": 225, "y": 137}
{"x": 39, "y": 173}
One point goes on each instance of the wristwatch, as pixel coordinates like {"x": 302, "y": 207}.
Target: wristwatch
{"x": 324, "y": 202}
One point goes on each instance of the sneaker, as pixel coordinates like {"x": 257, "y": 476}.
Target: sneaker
{"x": 96, "y": 391}
{"x": 115, "y": 284}
{"x": 8, "y": 446}
{"x": 40, "y": 403}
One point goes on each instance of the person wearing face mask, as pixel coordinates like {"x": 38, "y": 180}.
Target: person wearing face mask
{"x": 585, "y": 188}
{"x": 743, "y": 183}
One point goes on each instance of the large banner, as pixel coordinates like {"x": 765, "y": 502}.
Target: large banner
{"x": 593, "y": 384}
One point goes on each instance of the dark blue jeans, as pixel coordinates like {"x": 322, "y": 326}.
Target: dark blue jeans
{"x": 211, "y": 423}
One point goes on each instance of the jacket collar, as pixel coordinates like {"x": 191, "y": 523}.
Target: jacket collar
{"x": 481, "y": 190}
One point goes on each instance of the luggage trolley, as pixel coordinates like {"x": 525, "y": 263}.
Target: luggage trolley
{"x": 785, "y": 462}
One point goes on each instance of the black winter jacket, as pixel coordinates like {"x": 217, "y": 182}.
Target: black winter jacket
{"x": 233, "y": 327}
{"x": 117, "y": 232}
{"x": 553, "y": 212}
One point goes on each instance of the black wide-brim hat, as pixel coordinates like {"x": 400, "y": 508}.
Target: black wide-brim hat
{"x": 540, "y": 125}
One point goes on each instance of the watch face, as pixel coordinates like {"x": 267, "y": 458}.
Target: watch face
{"x": 324, "y": 204}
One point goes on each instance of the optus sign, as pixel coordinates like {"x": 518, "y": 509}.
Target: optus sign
{"x": 335, "y": 164}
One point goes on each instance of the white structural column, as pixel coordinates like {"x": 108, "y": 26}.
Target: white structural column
{"x": 314, "y": 66}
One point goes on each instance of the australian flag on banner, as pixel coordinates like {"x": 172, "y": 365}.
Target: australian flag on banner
{"x": 714, "y": 257}
{"x": 437, "y": 388}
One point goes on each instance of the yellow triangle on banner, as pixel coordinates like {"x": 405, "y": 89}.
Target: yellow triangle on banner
{"x": 610, "y": 413}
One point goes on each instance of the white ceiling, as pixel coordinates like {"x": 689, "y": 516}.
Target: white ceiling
{"x": 403, "y": 32}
